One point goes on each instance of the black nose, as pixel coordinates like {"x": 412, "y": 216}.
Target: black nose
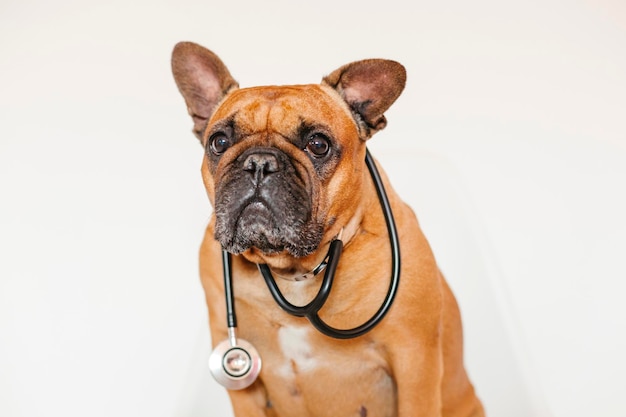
{"x": 261, "y": 164}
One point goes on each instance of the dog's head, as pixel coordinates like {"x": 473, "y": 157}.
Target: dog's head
{"x": 284, "y": 165}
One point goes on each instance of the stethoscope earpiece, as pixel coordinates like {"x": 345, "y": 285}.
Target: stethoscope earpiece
{"x": 235, "y": 364}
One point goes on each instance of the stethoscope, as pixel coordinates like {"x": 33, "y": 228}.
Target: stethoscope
{"x": 236, "y": 364}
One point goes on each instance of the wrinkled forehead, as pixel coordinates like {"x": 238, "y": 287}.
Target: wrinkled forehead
{"x": 283, "y": 109}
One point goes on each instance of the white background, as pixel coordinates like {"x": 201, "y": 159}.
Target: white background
{"x": 509, "y": 141}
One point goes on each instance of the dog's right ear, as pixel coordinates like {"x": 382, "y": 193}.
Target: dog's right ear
{"x": 202, "y": 79}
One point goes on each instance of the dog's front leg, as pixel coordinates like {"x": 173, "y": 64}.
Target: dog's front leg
{"x": 250, "y": 402}
{"x": 418, "y": 371}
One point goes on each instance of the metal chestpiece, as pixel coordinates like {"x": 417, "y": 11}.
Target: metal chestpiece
{"x": 235, "y": 363}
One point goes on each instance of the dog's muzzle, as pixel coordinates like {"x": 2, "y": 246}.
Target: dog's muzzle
{"x": 264, "y": 201}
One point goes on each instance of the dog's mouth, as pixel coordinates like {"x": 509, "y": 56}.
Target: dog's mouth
{"x": 272, "y": 214}
{"x": 257, "y": 225}
{"x": 268, "y": 228}
{"x": 255, "y": 208}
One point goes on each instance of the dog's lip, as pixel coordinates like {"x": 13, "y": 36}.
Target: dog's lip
{"x": 255, "y": 205}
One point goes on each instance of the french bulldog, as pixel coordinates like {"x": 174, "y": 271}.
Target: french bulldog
{"x": 284, "y": 169}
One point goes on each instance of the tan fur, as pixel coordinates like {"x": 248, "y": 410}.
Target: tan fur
{"x": 411, "y": 364}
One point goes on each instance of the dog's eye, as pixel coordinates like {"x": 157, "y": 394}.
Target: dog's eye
{"x": 318, "y": 145}
{"x": 218, "y": 143}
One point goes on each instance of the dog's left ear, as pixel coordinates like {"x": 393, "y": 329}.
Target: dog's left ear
{"x": 202, "y": 79}
{"x": 369, "y": 87}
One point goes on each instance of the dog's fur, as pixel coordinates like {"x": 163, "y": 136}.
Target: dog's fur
{"x": 284, "y": 170}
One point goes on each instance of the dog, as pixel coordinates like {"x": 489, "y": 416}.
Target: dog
{"x": 284, "y": 171}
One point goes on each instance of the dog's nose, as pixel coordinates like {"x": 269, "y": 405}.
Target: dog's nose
{"x": 261, "y": 164}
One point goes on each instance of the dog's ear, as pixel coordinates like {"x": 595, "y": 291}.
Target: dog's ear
{"x": 369, "y": 87}
{"x": 202, "y": 79}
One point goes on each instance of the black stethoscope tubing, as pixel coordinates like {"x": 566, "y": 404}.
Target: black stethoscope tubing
{"x": 231, "y": 317}
{"x": 311, "y": 310}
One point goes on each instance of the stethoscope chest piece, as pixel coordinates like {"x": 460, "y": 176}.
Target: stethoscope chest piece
{"x": 235, "y": 365}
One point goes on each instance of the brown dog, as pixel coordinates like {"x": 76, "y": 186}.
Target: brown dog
{"x": 284, "y": 170}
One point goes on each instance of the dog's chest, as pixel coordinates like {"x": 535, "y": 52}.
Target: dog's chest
{"x": 308, "y": 374}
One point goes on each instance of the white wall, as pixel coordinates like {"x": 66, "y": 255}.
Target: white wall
{"x": 509, "y": 141}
